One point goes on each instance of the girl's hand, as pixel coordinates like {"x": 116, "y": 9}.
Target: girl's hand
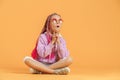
{"x": 54, "y": 38}
{"x": 58, "y": 38}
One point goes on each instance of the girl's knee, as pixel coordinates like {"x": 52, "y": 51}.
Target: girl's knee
{"x": 26, "y": 58}
{"x": 68, "y": 60}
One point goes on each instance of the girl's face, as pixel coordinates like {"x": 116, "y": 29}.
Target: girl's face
{"x": 55, "y": 23}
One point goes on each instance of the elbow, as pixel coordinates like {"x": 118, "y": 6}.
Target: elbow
{"x": 43, "y": 54}
{"x": 40, "y": 53}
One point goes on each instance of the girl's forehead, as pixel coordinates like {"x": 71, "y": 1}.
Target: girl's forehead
{"x": 55, "y": 17}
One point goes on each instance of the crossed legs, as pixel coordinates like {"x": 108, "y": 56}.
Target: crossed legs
{"x": 50, "y": 68}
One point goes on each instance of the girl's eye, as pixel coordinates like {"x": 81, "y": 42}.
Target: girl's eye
{"x": 60, "y": 21}
{"x": 54, "y": 21}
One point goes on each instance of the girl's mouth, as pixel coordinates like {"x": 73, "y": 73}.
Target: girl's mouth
{"x": 58, "y": 26}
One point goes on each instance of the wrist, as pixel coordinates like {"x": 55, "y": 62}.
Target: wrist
{"x": 52, "y": 42}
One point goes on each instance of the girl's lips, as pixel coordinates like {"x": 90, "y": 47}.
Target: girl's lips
{"x": 58, "y": 26}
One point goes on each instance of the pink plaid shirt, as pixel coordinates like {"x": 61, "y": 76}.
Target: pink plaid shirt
{"x": 49, "y": 53}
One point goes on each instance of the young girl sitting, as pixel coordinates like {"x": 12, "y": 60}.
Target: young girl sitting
{"x": 50, "y": 54}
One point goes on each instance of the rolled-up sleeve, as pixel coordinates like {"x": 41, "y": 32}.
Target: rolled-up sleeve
{"x": 43, "y": 48}
{"x": 62, "y": 49}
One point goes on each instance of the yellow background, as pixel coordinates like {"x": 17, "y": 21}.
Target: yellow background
{"x": 91, "y": 29}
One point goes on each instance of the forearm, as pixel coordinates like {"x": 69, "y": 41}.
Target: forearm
{"x": 48, "y": 49}
{"x": 44, "y": 51}
{"x": 62, "y": 51}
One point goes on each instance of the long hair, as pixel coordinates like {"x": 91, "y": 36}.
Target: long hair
{"x": 34, "y": 53}
{"x": 47, "y": 23}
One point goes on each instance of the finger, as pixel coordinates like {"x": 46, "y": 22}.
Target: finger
{"x": 53, "y": 34}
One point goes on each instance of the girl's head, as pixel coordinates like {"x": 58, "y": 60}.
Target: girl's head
{"x": 53, "y": 23}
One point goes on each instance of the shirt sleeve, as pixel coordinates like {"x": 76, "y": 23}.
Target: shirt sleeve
{"x": 62, "y": 49}
{"x": 43, "y": 48}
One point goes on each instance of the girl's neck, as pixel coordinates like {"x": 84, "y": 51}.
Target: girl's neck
{"x": 49, "y": 33}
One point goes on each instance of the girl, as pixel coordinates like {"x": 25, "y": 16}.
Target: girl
{"x": 50, "y": 54}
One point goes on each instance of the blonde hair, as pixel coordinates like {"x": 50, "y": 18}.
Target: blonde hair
{"x": 47, "y": 23}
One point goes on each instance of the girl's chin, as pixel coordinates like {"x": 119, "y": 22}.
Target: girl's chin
{"x": 57, "y": 31}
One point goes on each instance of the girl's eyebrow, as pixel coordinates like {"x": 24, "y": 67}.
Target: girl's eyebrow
{"x": 60, "y": 20}
{"x": 54, "y": 19}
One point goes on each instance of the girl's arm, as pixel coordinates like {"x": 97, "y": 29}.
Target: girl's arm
{"x": 62, "y": 49}
{"x": 43, "y": 48}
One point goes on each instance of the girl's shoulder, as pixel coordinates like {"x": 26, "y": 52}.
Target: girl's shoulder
{"x": 62, "y": 38}
{"x": 42, "y": 36}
